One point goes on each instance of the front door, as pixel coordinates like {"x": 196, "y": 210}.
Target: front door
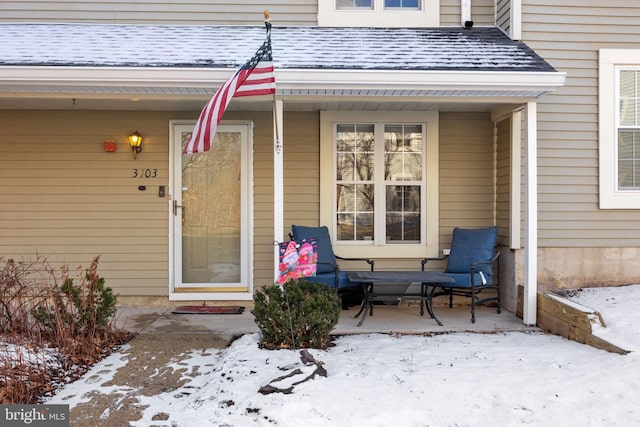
{"x": 211, "y": 215}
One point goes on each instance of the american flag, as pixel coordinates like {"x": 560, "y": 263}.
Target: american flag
{"x": 255, "y": 77}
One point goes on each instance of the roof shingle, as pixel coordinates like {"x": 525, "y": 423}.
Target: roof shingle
{"x": 100, "y": 45}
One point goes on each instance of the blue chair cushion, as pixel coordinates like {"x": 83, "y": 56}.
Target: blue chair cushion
{"x": 326, "y": 258}
{"x": 469, "y": 246}
{"x": 329, "y": 280}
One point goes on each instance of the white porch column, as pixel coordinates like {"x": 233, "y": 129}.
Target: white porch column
{"x": 531, "y": 217}
{"x": 278, "y": 182}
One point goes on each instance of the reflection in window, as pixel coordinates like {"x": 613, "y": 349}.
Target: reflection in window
{"x": 403, "y": 152}
{"x": 402, "y": 4}
{"x": 629, "y": 130}
{"x": 398, "y": 184}
{"x": 354, "y": 4}
{"x": 355, "y": 159}
{"x": 628, "y": 160}
{"x": 403, "y": 213}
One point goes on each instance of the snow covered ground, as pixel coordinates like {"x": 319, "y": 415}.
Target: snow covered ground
{"x": 458, "y": 379}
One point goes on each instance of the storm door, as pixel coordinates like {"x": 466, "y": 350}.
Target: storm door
{"x": 210, "y": 212}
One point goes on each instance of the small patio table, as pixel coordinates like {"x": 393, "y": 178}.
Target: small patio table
{"x": 428, "y": 280}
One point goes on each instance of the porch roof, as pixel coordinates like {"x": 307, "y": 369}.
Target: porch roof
{"x": 179, "y": 60}
{"x": 98, "y": 45}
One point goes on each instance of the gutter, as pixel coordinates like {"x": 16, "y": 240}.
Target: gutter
{"x": 20, "y": 78}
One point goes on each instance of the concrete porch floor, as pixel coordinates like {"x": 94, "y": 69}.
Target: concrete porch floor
{"x": 403, "y": 319}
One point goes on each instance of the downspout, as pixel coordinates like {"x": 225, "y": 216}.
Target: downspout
{"x": 531, "y": 218}
{"x": 495, "y": 172}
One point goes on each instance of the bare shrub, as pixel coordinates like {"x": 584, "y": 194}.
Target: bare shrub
{"x": 24, "y": 285}
{"x": 41, "y": 308}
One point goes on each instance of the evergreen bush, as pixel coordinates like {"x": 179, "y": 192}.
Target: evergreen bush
{"x": 300, "y": 314}
{"x": 83, "y": 309}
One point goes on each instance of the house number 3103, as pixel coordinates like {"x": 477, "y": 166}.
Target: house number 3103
{"x": 145, "y": 173}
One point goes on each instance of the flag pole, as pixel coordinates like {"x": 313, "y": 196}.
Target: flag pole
{"x": 278, "y": 178}
{"x": 267, "y": 24}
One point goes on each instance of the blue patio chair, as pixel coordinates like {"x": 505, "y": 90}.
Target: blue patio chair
{"x": 471, "y": 264}
{"x": 328, "y": 271}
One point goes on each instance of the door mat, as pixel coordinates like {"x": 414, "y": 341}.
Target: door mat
{"x": 203, "y": 309}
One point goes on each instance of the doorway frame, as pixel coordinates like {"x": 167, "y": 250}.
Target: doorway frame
{"x": 247, "y": 234}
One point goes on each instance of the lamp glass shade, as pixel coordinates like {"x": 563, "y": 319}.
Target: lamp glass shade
{"x": 135, "y": 139}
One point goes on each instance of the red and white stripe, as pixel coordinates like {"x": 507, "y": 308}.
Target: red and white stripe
{"x": 247, "y": 81}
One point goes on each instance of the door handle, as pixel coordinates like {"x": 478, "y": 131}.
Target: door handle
{"x": 175, "y": 207}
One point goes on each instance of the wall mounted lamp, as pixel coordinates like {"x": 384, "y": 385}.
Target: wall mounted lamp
{"x": 135, "y": 139}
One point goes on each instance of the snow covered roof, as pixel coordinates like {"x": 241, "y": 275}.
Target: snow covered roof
{"x": 41, "y": 64}
{"x": 115, "y": 45}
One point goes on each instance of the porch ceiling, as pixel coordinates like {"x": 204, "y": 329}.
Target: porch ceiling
{"x": 187, "y": 104}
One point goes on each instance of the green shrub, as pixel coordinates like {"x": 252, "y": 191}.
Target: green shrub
{"x": 86, "y": 308}
{"x": 300, "y": 314}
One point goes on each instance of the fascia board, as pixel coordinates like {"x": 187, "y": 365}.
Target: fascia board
{"x": 413, "y": 80}
{"x": 113, "y": 76}
{"x": 285, "y": 78}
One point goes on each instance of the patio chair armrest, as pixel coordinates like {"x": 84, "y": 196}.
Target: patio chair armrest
{"x": 367, "y": 260}
{"x": 333, "y": 265}
{"x": 491, "y": 261}
{"x": 426, "y": 260}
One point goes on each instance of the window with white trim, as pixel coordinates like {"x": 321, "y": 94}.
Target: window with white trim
{"x": 379, "y": 161}
{"x": 379, "y": 13}
{"x": 379, "y": 176}
{"x": 619, "y": 128}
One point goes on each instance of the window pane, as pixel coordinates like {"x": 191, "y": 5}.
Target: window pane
{"x": 364, "y": 198}
{"x": 346, "y": 202}
{"x": 625, "y": 174}
{"x": 629, "y": 160}
{"x": 625, "y": 145}
{"x": 409, "y": 4}
{"x": 345, "y": 137}
{"x": 403, "y": 228}
{"x": 403, "y": 212}
{"x": 365, "y": 166}
{"x": 355, "y": 152}
{"x": 345, "y": 167}
{"x": 364, "y": 137}
{"x": 354, "y": 4}
{"x": 345, "y": 226}
{"x": 364, "y": 226}
{"x": 355, "y": 226}
{"x": 355, "y": 212}
{"x": 629, "y": 98}
{"x": 403, "y": 152}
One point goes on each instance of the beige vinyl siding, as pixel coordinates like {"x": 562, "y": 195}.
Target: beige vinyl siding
{"x": 64, "y": 198}
{"x": 568, "y": 35}
{"x": 302, "y": 171}
{"x": 466, "y": 172}
{"x": 482, "y": 13}
{"x": 503, "y": 15}
{"x": 301, "y": 184}
{"x": 221, "y": 12}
